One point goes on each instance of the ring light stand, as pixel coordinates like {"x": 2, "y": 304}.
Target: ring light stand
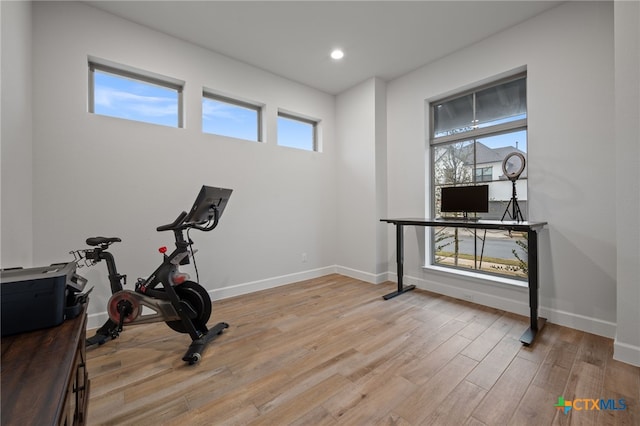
{"x": 516, "y": 213}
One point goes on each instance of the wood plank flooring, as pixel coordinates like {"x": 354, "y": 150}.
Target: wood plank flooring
{"x": 331, "y": 351}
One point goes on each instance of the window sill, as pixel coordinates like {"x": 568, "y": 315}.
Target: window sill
{"x": 474, "y": 276}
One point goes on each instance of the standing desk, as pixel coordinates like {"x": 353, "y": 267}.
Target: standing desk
{"x": 531, "y": 228}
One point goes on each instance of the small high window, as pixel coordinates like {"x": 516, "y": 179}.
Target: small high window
{"x": 231, "y": 117}
{"x": 123, "y": 92}
{"x": 297, "y": 132}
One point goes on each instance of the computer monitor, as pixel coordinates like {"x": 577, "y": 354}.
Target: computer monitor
{"x": 208, "y": 201}
{"x": 465, "y": 199}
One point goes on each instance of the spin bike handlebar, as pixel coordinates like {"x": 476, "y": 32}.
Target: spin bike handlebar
{"x": 179, "y": 223}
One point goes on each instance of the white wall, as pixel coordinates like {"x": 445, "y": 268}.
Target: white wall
{"x": 96, "y": 175}
{"x": 568, "y": 55}
{"x": 16, "y": 246}
{"x": 627, "y": 137}
{"x": 361, "y": 191}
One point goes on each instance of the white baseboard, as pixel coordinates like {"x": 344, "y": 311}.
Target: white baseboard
{"x": 626, "y": 353}
{"x": 480, "y": 298}
{"x": 363, "y": 276}
{"x": 253, "y": 286}
{"x": 579, "y": 322}
{"x": 96, "y": 320}
{"x": 555, "y": 316}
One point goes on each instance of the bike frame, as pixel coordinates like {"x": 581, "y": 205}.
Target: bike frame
{"x": 147, "y": 293}
{"x": 184, "y": 309}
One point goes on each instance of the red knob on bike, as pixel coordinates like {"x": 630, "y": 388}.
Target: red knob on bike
{"x": 162, "y": 249}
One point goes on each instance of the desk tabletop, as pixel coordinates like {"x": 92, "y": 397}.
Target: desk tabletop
{"x": 509, "y": 225}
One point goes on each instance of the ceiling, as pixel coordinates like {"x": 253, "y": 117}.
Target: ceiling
{"x": 293, "y": 39}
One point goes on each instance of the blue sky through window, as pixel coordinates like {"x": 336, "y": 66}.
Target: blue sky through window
{"x": 123, "y": 97}
{"x": 226, "y": 119}
{"x": 295, "y": 133}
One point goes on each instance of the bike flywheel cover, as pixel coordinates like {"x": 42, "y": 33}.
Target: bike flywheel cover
{"x": 124, "y": 296}
{"x": 198, "y": 300}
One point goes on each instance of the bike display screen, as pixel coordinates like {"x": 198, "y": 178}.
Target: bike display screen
{"x": 210, "y": 199}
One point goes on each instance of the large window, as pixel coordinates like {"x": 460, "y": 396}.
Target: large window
{"x": 297, "y": 132}
{"x": 471, "y": 135}
{"x": 231, "y": 117}
{"x": 124, "y": 92}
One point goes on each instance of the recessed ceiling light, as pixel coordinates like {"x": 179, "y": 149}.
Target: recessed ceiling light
{"x": 337, "y": 54}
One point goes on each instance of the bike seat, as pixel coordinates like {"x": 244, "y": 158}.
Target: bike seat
{"x": 98, "y": 241}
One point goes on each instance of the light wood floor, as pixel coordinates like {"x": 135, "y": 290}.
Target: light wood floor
{"x": 332, "y": 351}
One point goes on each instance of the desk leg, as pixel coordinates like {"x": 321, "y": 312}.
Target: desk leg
{"x": 399, "y": 262}
{"x": 536, "y": 323}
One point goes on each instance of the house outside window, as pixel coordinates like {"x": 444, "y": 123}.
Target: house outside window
{"x": 484, "y": 174}
{"x": 471, "y": 135}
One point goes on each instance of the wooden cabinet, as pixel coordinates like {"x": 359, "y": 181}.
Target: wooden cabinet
{"x": 44, "y": 375}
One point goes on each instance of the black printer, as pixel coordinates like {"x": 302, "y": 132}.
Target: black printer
{"x": 42, "y": 297}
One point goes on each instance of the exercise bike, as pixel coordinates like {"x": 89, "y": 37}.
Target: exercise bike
{"x": 184, "y": 305}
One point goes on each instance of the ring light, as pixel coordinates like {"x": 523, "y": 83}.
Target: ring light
{"x": 513, "y": 175}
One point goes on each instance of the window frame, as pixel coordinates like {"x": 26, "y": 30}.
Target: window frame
{"x": 255, "y": 106}
{"x": 125, "y": 71}
{"x": 296, "y": 117}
